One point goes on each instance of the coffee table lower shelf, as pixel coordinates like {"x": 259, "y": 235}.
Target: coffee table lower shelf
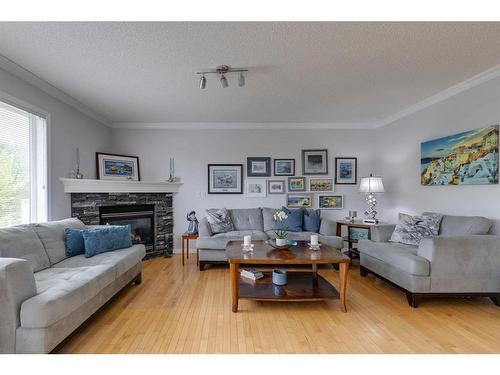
{"x": 301, "y": 286}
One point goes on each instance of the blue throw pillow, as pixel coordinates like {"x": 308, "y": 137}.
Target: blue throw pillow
{"x": 312, "y": 220}
{"x": 74, "y": 242}
{"x": 101, "y": 240}
{"x": 293, "y": 223}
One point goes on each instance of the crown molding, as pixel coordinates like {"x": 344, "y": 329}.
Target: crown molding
{"x": 18, "y": 71}
{"x": 469, "y": 83}
{"x": 238, "y": 125}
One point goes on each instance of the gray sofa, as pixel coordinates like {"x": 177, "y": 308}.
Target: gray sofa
{"x": 45, "y": 296}
{"x": 462, "y": 261}
{"x": 257, "y": 222}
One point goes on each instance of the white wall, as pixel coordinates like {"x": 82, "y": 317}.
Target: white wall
{"x": 194, "y": 149}
{"x": 398, "y": 157}
{"x": 69, "y": 129}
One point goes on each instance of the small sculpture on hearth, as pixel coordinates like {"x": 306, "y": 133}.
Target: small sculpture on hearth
{"x": 193, "y": 222}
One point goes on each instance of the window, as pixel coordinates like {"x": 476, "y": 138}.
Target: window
{"x": 23, "y": 166}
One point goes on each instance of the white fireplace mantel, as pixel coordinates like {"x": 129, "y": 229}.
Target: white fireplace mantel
{"x": 73, "y": 185}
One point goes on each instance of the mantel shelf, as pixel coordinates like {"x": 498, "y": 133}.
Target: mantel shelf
{"x": 73, "y": 185}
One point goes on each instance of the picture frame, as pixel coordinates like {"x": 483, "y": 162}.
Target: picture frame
{"x": 276, "y": 186}
{"x": 256, "y": 188}
{"x": 284, "y": 167}
{"x": 330, "y": 201}
{"x": 359, "y": 233}
{"x": 346, "y": 171}
{"x": 315, "y": 162}
{"x": 225, "y": 179}
{"x": 258, "y": 167}
{"x": 299, "y": 200}
{"x": 296, "y": 184}
{"x": 321, "y": 185}
{"x": 117, "y": 167}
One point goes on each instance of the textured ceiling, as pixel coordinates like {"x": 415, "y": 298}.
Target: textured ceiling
{"x": 299, "y": 72}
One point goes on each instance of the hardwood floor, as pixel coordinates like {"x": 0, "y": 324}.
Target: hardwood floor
{"x": 181, "y": 310}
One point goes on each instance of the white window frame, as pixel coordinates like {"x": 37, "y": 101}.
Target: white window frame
{"x": 40, "y": 207}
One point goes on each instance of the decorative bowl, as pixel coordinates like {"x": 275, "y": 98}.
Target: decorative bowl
{"x": 289, "y": 244}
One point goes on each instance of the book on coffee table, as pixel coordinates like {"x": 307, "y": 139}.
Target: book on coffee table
{"x": 251, "y": 273}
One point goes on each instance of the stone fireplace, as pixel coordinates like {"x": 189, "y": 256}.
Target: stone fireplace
{"x": 149, "y": 214}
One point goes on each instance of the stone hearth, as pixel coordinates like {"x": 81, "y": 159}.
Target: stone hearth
{"x": 85, "y": 206}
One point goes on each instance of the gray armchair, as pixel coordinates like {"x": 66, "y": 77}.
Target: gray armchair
{"x": 462, "y": 261}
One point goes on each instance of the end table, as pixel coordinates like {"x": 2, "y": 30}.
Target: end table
{"x": 185, "y": 239}
{"x": 352, "y": 251}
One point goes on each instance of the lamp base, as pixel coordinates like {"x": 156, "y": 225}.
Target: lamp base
{"x": 370, "y": 221}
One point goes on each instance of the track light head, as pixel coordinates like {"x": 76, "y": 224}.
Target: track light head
{"x": 223, "y": 81}
{"x": 203, "y": 82}
{"x": 241, "y": 80}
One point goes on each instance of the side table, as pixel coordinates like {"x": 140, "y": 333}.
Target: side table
{"x": 351, "y": 251}
{"x": 185, "y": 240}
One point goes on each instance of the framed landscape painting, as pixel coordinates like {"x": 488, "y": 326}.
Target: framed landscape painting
{"x": 296, "y": 184}
{"x": 284, "y": 167}
{"x": 467, "y": 158}
{"x": 258, "y": 167}
{"x": 320, "y": 184}
{"x": 330, "y": 202}
{"x": 346, "y": 171}
{"x": 225, "y": 179}
{"x": 298, "y": 200}
{"x": 256, "y": 188}
{"x": 314, "y": 162}
{"x": 276, "y": 186}
{"x": 117, "y": 167}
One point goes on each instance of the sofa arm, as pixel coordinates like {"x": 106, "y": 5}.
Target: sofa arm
{"x": 204, "y": 229}
{"x": 328, "y": 227}
{"x": 17, "y": 284}
{"x": 475, "y": 256}
{"x": 382, "y": 232}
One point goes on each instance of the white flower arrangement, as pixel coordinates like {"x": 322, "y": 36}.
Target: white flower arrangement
{"x": 280, "y": 216}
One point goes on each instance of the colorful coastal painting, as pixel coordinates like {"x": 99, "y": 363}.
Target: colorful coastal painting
{"x": 468, "y": 158}
{"x": 117, "y": 167}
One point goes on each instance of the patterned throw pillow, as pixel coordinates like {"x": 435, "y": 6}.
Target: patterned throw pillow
{"x": 411, "y": 229}
{"x": 219, "y": 220}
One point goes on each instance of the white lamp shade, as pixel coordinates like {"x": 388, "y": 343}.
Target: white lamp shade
{"x": 371, "y": 184}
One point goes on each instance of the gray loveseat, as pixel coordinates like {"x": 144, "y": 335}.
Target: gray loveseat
{"x": 45, "y": 296}
{"x": 462, "y": 261}
{"x": 259, "y": 223}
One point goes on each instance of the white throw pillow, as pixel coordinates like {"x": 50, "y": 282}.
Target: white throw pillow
{"x": 219, "y": 220}
{"x": 411, "y": 229}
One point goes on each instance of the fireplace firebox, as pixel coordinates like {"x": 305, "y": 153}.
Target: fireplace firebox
{"x": 140, "y": 217}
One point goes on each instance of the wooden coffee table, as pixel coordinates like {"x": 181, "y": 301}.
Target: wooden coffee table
{"x": 301, "y": 286}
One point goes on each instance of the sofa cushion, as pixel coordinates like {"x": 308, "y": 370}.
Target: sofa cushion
{"x": 401, "y": 256}
{"x": 52, "y": 236}
{"x": 238, "y": 235}
{"x": 411, "y": 229}
{"x": 107, "y": 238}
{"x": 294, "y": 221}
{"x": 75, "y": 245}
{"x": 22, "y": 242}
{"x": 62, "y": 291}
{"x": 122, "y": 260}
{"x": 268, "y": 219}
{"x": 463, "y": 225}
{"x": 219, "y": 220}
{"x": 312, "y": 220}
{"x": 247, "y": 219}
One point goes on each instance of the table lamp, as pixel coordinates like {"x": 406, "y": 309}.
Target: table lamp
{"x": 370, "y": 186}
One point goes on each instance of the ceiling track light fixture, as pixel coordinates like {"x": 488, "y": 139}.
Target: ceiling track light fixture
{"x": 222, "y": 71}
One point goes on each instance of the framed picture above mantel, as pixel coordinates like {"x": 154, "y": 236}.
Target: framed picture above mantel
{"x": 117, "y": 167}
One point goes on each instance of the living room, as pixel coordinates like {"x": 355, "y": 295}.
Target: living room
{"x": 250, "y": 187}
